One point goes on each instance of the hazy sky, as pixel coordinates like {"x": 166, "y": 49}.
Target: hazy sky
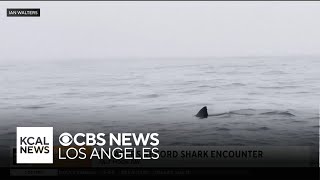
{"x": 81, "y": 30}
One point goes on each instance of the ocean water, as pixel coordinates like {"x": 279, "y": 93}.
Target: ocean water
{"x": 262, "y": 100}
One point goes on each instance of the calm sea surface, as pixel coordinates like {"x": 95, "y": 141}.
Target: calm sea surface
{"x": 263, "y": 100}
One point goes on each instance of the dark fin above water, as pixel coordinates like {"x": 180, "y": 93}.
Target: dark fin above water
{"x": 203, "y": 113}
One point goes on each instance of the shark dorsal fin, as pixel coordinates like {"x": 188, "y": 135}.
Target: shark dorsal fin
{"x": 203, "y": 113}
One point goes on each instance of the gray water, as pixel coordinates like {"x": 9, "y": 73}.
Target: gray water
{"x": 263, "y": 100}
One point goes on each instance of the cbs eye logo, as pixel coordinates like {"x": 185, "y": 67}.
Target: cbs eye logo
{"x": 65, "y": 139}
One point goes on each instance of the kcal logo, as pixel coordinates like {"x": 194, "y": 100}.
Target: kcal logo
{"x": 34, "y": 145}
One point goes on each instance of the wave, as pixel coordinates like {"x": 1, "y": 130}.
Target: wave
{"x": 223, "y": 129}
{"x": 274, "y": 73}
{"x": 248, "y": 112}
{"x": 206, "y": 86}
{"x": 277, "y": 87}
{"x": 284, "y": 113}
{"x": 264, "y": 128}
{"x": 234, "y": 84}
{"x": 39, "y": 106}
{"x": 159, "y": 109}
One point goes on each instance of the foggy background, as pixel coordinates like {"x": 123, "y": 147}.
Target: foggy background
{"x": 102, "y": 30}
{"x": 254, "y": 63}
